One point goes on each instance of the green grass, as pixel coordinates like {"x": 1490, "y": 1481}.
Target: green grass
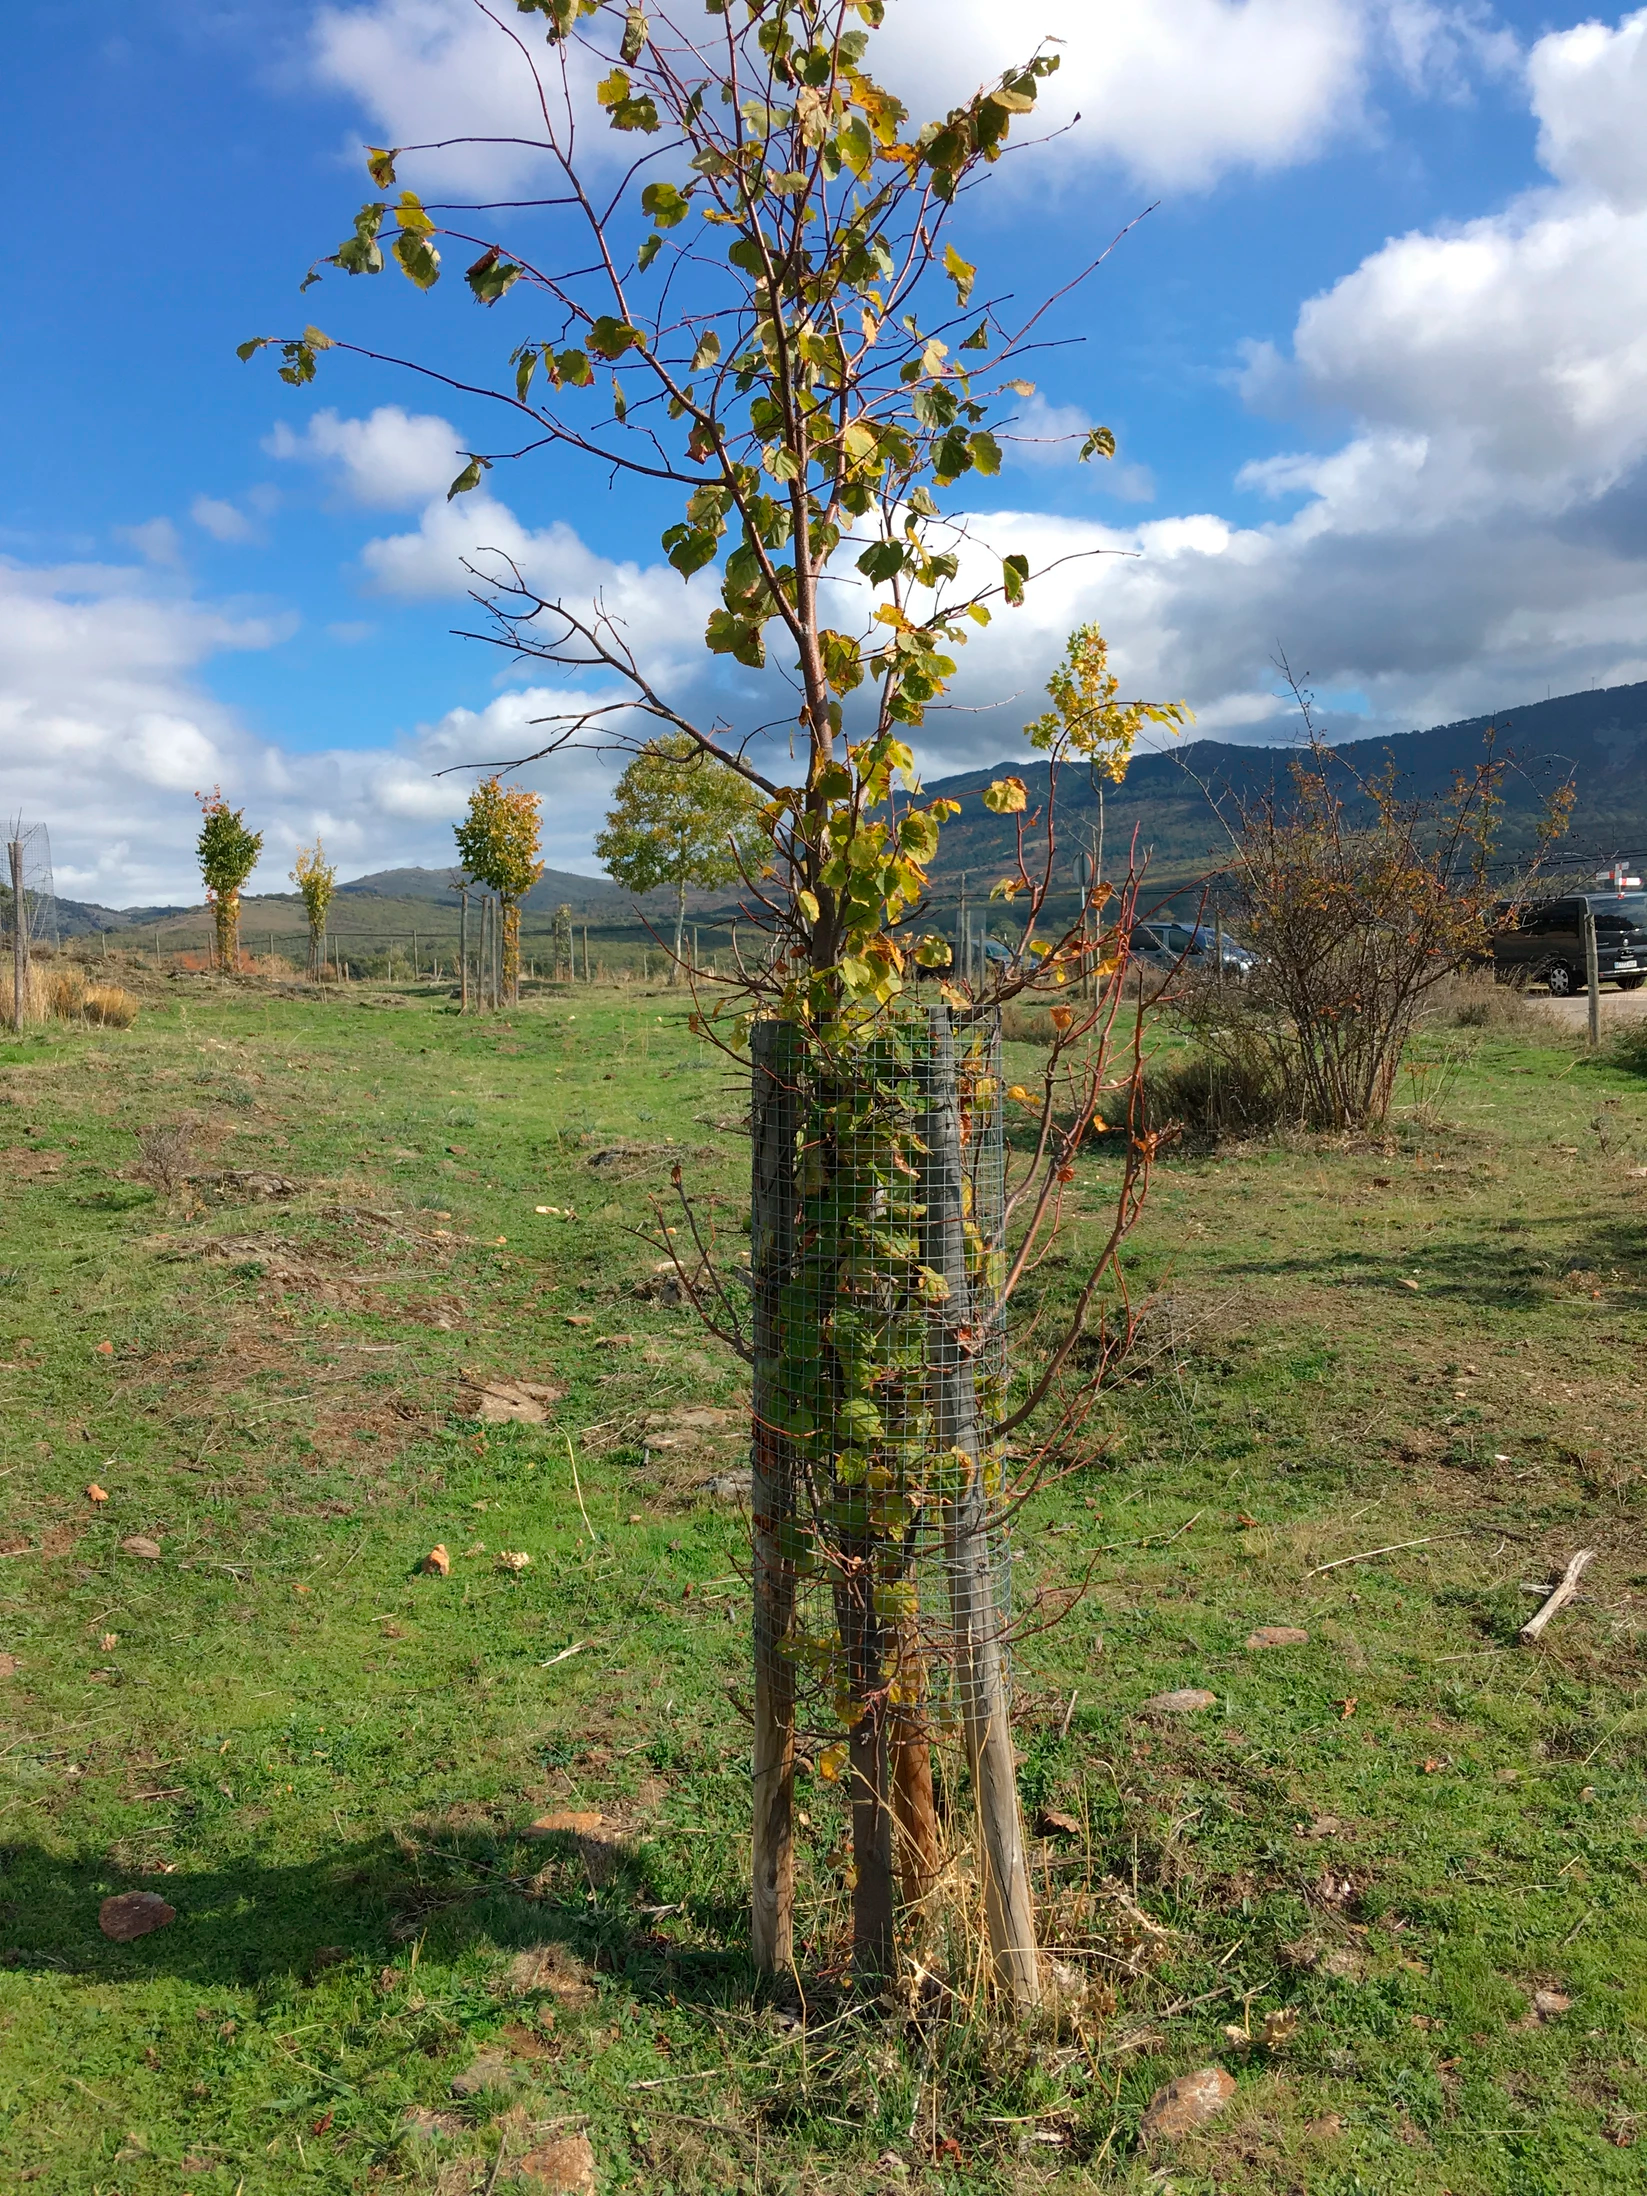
{"x": 324, "y": 1759}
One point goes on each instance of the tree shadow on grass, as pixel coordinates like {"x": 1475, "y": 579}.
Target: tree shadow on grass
{"x": 1488, "y": 1271}
{"x": 254, "y": 1922}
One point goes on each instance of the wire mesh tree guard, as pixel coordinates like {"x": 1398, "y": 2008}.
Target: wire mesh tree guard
{"x": 879, "y": 1368}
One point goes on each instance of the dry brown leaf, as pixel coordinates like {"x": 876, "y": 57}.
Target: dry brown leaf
{"x": 135, "y": 1544}
{"x": 132, "y": 1914}
{"x": 437, "y": 1563}
{"x": 95, "y": 1493}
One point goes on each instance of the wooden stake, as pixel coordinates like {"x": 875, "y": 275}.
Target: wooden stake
{"x": 775, "y": 1048}
{"x": 1530, "y": 1631}
{"x": 1592, "y": 975}
{"x": 19, "y": 938}
{"x": 463, "y": 952}
{"x": 975, "y": 1620}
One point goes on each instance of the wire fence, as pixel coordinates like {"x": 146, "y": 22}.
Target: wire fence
{"x": 877, "y": 1262}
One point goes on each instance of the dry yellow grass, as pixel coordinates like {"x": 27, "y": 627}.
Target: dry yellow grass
{"x": 111, "y": 1005}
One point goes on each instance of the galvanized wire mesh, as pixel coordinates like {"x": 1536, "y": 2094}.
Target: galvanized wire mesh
{"x": 877, "y": 1263}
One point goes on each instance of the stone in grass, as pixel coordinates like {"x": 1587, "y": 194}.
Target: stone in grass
{"x": 562, "y": 2168}
{"x": 1189, "y": 1700}
{"x": 1278, "y": 1635}
{"x": 1186, "y": 2104}
{"x": 132, "y": 1914}
{"x": 423, "y": 2125}
{"x": 490, "y": 2071}
{"x": 734, "y": 1486}
{"x": 136, "y": 1544}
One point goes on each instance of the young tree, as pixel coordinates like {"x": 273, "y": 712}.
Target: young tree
{"x": 228, "y": 854}
{"x": 315, "y": 878}
{"x": 754, "y": 296}
{"x": 498, "y": 843}
{"x": 679, "y": 818}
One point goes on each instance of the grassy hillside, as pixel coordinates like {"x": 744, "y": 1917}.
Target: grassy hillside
{"x": 1171, "y": 801}
{"x": 228, "y": 1681}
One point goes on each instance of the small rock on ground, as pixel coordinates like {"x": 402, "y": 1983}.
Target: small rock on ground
{"x": 133, "y": 1914}
{"x": 1278, "y": 1635}
{"x": 1186, "y": 2104}
{"x": 564, "y": 2168}
{"x": 136, "y": 1544}
{"x": 1189, "y": 1700}
{"x": 490, "y": 2071}
{"x": 730, "y": 1487}
{"x": 419, "y": 2121}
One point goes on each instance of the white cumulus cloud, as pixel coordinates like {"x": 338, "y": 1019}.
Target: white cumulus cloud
{"x": 392, "y": 460}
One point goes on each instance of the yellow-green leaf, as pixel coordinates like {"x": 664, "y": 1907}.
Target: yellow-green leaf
{"x": 960, "y": 272}
{"x": 1006, "y": 796}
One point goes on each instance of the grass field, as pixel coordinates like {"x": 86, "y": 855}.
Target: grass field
{"x": 1393, "y": 1835}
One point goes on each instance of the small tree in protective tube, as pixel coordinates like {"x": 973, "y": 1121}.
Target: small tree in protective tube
{"x": 680, "y": 818}
{"x": 316, "y": 879}
{"x": 228, "y": 854}
{"x": 765, "y": 309}
{"x": 498, "y": 843}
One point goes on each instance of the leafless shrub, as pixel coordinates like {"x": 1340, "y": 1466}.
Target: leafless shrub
{"x": 1358, "y": 899}
{"x": 164, "y": 1156}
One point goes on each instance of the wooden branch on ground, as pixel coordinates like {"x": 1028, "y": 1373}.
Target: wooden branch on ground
{"x": 1530, "y": 1631}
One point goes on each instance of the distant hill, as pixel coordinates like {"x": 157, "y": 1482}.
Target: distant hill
{"x": 1171, "y": 800}
{"x": 555, "y": 888}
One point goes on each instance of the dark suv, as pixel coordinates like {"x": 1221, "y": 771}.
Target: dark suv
{"x": 1544, "y": 943}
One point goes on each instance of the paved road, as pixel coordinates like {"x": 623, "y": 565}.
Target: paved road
{"x": 1616, "y": 1006}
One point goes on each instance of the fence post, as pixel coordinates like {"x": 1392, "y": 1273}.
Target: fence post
{"x": 1592, "y": 974}
{"x": 975, "y": 1618}
{"x": 19, "y": 938}
{"x": 775, "y": 1049}
{"x": 463, "y": 954}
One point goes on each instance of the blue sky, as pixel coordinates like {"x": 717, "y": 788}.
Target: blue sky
{"x": 1377, "y": 365}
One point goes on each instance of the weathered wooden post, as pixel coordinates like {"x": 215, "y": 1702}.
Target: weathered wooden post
{"x": 775, "y": 1111}
{"x": 975, "y": 1616}
{"x": 19, "y": 938}
{"x": 1592, "y": 974}
{"x": 463, "y": 952}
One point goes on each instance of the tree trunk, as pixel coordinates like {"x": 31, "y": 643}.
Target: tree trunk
{"x": 975, "y": 1619}
{"x": 776, "y": 1059}
{"x": 920, "y": 1853}
{"x": 510, "y": 911}
{"x": 226, "y": 923}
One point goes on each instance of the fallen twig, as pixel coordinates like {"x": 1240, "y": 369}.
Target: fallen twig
{"x": 1529, "y": 1633}
{"x": 1394, "y": 1546}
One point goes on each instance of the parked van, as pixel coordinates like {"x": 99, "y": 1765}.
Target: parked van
{"x": 1544, "y": 942}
